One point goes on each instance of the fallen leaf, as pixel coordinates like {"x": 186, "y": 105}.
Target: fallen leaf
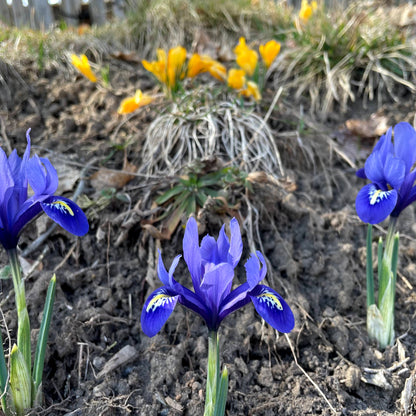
{"x": 108, "y": 178}
{"x": 375, "y": 126}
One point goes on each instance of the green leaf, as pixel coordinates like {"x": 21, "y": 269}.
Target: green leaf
{"x": 20, "y": 382}
{"x": 5, "y": 272}
{"x": 169, "y": 194}
{"x": 3, "y": 377}
{"x": 43, "y": 336}
{"x": 222, "y": 394}
{"x": 369, "y": 268}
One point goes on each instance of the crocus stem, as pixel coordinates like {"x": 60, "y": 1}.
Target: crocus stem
{"x": 23, "y": 330}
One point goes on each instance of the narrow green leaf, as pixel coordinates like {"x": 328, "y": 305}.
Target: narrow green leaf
{"x": 379, "y": 256}
{"x": 222, "y": 394}
{"x": 3, "y": 377}
{"x": 169, "y": 194}
{"x": 369, "y": 268}
{"x": 394, "y": 257}
{"x": 43, "y": 335}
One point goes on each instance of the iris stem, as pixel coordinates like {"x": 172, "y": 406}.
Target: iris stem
{"x": 213, "y": 375}
{"x": 217, "y": 383}
{"x": 380, "y": 318}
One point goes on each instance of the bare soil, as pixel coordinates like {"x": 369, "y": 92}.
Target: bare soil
{"x": 306, "y": 227}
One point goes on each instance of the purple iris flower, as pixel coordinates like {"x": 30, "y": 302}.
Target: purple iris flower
{"x": 389, "y": 168}
{"x": 17, "y": 208}
{"x": 211, "y": 267}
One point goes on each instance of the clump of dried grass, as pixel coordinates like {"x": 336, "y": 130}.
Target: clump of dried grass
{"x": 341, "y": 54}
{"x": 198, "y": 128}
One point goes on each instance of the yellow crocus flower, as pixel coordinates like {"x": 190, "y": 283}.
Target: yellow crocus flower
{"x": 269, "y": 51}
{"x": 157, "y": 68}
{"x": 306, "y": 10}
{"x": 236, "y": 79}
{"x": 241, "y": 47}
{"x": 83, "y": 66}
{"x": 176, "y": 65}
{"x": 247, "y": 60}
{"x": 218, "y": 71}
{"x": 252, "y": 90}
{"x": 130, "y": 104}
{"x": 198, "y": 64}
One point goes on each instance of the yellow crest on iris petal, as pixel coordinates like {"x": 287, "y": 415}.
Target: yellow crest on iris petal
{"x": 82, "y": 64}
{"x": 269, "y": 51}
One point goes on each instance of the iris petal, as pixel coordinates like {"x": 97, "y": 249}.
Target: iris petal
{"x": 253, "y": 271}
{"x": 374, "y": 205}
{"x": 156, "y": 311}
{"x": 223, "y": 246}
{"x": 165, "y": 277}
{"x": 374, "y": 168}
{"x": 67, "y": 214}
{"x": 236, "y": 245}
{"x": 272, "y": 308}
{"x": 217, "y": 284}
{"x": 394, "y": 171}
{"x": 191, "y": 252}
{"x": 405, "y": 144}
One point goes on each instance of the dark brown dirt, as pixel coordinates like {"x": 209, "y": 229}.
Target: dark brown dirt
{"x": 309, "y": 232}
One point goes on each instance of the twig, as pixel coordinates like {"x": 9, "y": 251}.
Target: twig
{"x": 308, "y": 377}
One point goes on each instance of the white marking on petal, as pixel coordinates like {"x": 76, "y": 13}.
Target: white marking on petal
{"x": 269, "y": 298}
{"x": 158, "y": 301}
{"x": 377, "y": 195}
{"x": 62, "y": 206}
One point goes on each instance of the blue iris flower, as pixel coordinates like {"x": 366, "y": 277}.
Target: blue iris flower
{"x": 389, "y": 168}
{"x": 211, "y": 267}
{"x": 17, "y": 208}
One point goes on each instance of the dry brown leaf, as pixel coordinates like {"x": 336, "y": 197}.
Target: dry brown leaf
{"x": 108, "y": 178}
{"x": 375, "y": 126}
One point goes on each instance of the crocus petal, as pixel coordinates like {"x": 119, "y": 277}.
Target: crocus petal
{"x": 405, "y": 144}
{"x": 254, "y": 274}
{"x": 191, "y": 252}
{"x": 156, "y": 311}
{"x": 374, "y": 205}
{"x": 236, "y": 244}
{"x": 165, "y": 277}
{"x": 67, "y": 214}
{"x": 272, "y": 308}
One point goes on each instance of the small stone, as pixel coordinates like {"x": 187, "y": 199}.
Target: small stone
{"x": 352, "y": 378}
